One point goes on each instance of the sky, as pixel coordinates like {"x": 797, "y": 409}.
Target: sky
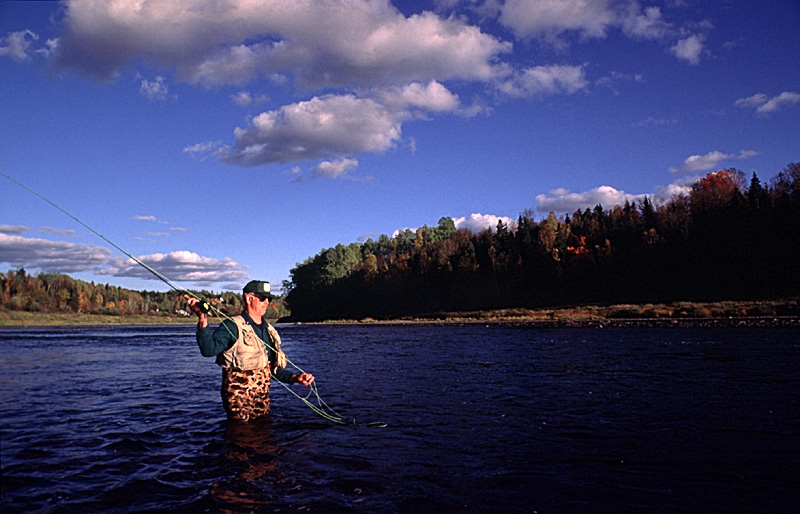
{"x": 220, "y": 141}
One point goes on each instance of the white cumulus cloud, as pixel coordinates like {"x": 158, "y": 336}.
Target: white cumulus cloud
{"x": 204, "y": 148}
{"x": 562, "y": 200}
{"x": 765, "y": 105}
{"x": 181, "y": 266}
{"x": 695, "y": 164}
{"x": 17, "y": 45}
{"x": 335, "y": 169}
{"x": 477, "y": 222}
{"x": 555, "y": 21}
{"x": 334, "y": 126}
{"x": 66, "y": 257}
{"x": 154, "y": 90}
{"x": 13, "y": 229}
{"x": 52, "y": 256}
{"x": 223, "y": 41}
{"x": 690, "y": 49}
{"x": 242, "y": 98}
{"x": 58, "y": 231}
{"x": 323, "y": 127}
{"x": 362, "y": 71}
{"x": 545, "y": 80}
{"x": 549, "y": 18}
{"x": 431, "y": 97}
{"x": 646, "y": 24}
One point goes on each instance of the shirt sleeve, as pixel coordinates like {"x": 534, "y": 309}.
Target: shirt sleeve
{"x": 283, "y": 375}
{"x": 214, "y": 342}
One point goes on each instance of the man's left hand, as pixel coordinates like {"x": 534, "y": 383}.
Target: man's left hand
{"x": 303, "y": 378}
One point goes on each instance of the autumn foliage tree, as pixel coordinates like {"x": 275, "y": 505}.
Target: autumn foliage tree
{"x": 724, "y": 240}
{"x": 56, "y": 292}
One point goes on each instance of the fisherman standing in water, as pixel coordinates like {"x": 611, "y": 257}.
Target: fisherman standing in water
{"x": 249, "y": 351}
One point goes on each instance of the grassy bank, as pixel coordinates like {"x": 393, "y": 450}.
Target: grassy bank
{"x": 678, "y": 310}
{"x": 42, "y": 319}
{"x": 783, "y": 308}
{"x": 588, "y": 314}
{"x": 54, "y": 319}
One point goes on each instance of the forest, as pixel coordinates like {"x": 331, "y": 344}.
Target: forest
{"x": 730, "y": 238}
{"x": 56, "y": 292}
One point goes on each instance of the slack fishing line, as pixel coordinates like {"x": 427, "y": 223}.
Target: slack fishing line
{"x": 321, "y": 408}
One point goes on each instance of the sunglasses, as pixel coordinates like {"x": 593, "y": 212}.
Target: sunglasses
{"x": 260, "y": 297}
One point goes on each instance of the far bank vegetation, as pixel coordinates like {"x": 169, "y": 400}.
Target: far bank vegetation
{"x": 56, "y": 293}
{"x": 730, "y": 248}
{"x": 731, "y": 238}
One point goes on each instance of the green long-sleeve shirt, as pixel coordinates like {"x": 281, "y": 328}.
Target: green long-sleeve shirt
{"x": 214, "y": 342}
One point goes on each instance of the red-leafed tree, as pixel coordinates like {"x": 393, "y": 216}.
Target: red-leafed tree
{"x": 715, "y": 190}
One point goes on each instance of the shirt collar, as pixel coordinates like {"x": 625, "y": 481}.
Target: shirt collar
{"x": 250, "y": 320}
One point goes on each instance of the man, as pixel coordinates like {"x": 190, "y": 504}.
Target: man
{"x": 249, "y": 351}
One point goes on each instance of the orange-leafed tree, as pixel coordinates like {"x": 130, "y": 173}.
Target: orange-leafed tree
{"x": 715, "y": 190}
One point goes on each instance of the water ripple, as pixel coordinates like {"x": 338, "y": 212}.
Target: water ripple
{"x": 479, "y": 419}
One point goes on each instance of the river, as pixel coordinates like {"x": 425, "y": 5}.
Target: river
{"x": 439, "y": 419}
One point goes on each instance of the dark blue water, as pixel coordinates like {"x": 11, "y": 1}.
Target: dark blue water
{"x": 479, "y": 419}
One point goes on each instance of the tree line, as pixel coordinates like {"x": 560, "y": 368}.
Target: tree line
{"x": 728, "y": 239}
{"x": 56, "y": 292}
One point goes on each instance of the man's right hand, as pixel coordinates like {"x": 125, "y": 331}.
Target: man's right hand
{"x": 194, "y": 305}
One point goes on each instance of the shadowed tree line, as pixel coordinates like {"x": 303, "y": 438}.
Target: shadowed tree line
{"x": 728, "y": 239}
{"x": 56, "y": 292}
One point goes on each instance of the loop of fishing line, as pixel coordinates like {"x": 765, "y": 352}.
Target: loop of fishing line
{"x": 321, "y": 408}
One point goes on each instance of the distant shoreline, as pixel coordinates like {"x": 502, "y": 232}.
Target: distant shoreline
{"x": 56, "y": 319}
{"x": 783, "y": 312}
{"x": 750, "y": 322}
{"x": 766, "y": 313}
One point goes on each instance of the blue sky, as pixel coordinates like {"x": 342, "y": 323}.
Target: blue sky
{"x": 224, "y": 140}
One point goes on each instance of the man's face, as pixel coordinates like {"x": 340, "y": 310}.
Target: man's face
{"x": 258, "y": 304}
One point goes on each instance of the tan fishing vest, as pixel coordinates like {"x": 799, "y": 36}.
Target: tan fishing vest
{"x": 249, "y": 351}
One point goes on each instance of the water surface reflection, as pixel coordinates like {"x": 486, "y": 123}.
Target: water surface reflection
{"x": 479, "y": 419}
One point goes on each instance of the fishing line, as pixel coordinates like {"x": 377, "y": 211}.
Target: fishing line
{"x": 321, "y": 408}
{"x": 104, "y": 238}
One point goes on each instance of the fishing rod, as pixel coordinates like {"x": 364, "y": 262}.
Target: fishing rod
{"x": 322, "y": 408}
{"x": 104, "y": 238}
